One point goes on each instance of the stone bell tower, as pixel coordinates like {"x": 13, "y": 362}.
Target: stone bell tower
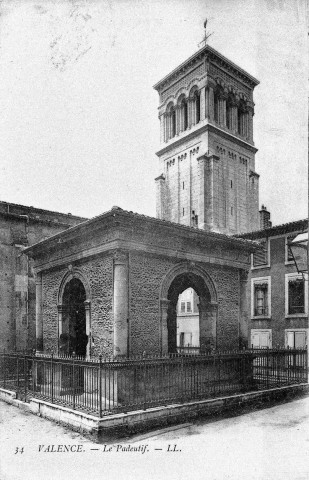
{"x": 207, "y": 153}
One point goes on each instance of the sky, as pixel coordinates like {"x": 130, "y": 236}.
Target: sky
{"x": 79, "y": 126}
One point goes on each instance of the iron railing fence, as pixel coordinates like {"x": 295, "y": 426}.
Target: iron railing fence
{"x": 103, "y": 386}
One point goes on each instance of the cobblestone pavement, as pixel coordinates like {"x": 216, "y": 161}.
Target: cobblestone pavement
{"x": 272, "y": 443}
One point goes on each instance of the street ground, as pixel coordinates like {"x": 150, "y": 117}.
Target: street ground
{"x": 270, "y": 443}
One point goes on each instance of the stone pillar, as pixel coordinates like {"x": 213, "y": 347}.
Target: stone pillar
{"x": 208, "y": 325}
{"x": 246, "y": 124}
{"x": 88, "y": 326}
{"x": 169, "y": 129}
{"x": 166, "y": 118}
{"x": 60, "y": 309}
{"x": 39, "y": 312}
{"x": 162, "y": 128}
{"x": 203, "y": 104}
{"x": 61, "y": 318}
{"x": 160, "y": 196}
{"x": 121, "y": 304}
{"x": 207, "y": 98}
{"x": 172, "y": 328}
{"x": 250, "y": 124}
{"x": 163, "y": 326}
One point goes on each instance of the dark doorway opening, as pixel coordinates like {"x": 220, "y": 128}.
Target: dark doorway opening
{"x": 73, "y": 302}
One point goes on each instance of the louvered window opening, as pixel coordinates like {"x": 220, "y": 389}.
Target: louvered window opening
{"x": 260, "y": 257}
{"x": 290, "y": 257}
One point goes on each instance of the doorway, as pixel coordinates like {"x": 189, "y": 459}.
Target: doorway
{"x": 74, "y": 338}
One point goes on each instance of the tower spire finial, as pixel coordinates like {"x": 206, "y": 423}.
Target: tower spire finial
{"x": 203, "y": 43}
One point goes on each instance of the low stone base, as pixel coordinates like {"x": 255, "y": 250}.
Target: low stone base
{"x": 123, "y": 424}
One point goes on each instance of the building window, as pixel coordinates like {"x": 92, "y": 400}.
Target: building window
{"x": 231, "y": 183}
{"x": 183, "y": 212}
{"x": 261, "y": 338}
{"x": 260, "y": 297}
{"x": 189, "y": 310}
{"x": 231, "y": 210}
{"x": 183, "y": 185}
{"x": 260, "y": 257}
{"x": 185, "y": 115}
{"x": 296, "y": 338}
{"x": 183, "y": 307}
{"x": 296, "y": 292}
{"x": 194, "y": 219}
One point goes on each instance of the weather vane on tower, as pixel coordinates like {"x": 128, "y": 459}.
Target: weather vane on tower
{"x": 206, "y": 35}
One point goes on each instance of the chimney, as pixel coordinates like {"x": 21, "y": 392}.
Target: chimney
{"x": 264, "y": 218}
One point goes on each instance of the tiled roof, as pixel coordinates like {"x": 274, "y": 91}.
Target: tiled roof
{"x": 117, "y": 211}
{"x": 5, "y": 209}
{"x": 298, "y": 225}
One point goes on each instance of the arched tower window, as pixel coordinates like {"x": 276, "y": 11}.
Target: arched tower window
{"x": 239, "y": 114}
{"x": 184, "y": 107}
{"x": 183, "y": 113}
{"x": 173, "y": 122}
{"x": 216, "y": 106}
{"x": 229, "y": 113}
{"x": 241, "y": 118}
{"x": 170, "y": 121}
{"x": 197, "y": 106}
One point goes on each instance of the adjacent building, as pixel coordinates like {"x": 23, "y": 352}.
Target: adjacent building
{"x": 21, "y": 226}
{"x": 278, "y": 307}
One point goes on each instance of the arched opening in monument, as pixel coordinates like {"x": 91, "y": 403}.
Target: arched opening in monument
{"x": 184, "y": 286}
{"x": 73, "y": 338}
{"x": 188, "y": 322}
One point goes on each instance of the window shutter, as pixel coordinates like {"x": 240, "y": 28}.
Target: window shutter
{"x": 289, "y": 253}
{"x": 260, "y": 256}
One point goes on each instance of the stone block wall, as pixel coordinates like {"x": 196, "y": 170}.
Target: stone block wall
{"x": 146, "y": 274}
{"x": 231, "y": 189}
{"x": 98, "y": 273}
